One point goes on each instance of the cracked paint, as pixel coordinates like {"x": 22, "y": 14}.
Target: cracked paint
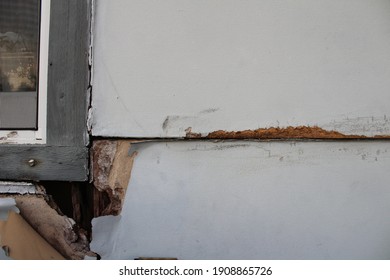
{"x": 190, "y": 134}
{"x": 11, "y": 135}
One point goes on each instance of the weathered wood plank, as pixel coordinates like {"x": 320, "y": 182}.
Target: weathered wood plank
{"x": 50, "y": 163}
{"x": 68, "y": 72}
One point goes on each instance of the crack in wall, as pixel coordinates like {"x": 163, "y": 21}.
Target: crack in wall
{"x": 112, "y": 159}
{"x": 90, "y": 69}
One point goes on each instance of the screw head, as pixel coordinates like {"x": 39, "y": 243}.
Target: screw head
{"x": 32, "y": 162}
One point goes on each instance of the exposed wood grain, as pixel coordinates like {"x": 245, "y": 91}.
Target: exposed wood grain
{"x": 76, "y": 203}
{"x": 68, "y": 72}
{"x": 111, "y": 164}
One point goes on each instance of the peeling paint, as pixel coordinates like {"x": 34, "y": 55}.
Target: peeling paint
{"x": 190, "y": 134}
{"x": 299, "y": 132}
{"x": 111, "y": 170}
{"x": 90, "y": 66}
{"x": 367, "y": 125}
{"x": 20, "y": 188}
{"x": 11, "y": 135}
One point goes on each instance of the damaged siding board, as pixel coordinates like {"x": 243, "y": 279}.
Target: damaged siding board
{"x": 57, "y": 229}
{"x": 163, "y": 67}
{"x": 65, "y": 155}
{"x": 300, "y": 132}
{"x": 205, "y": 200}
{"x": 111, "y": 164}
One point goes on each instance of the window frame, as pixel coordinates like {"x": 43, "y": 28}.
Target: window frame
{"x": 64, "y": 156}
{"x": 37, "y": 136}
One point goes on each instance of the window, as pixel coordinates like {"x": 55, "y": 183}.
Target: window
{"x": 44, "y": 48}
{"x": 24, "y": 32}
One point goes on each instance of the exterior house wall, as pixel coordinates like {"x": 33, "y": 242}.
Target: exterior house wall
{"x": 252, "y": 200}
{"x": 173, "y": 70}
{"x": 162, "y": 67}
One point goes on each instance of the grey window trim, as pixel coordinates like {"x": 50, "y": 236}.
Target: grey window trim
{"x": 65, "y": 155}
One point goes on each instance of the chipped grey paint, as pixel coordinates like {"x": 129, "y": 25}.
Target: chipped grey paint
{"x": 19, "y": 188}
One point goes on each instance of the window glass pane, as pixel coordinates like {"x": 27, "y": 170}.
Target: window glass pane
{"x": 19, "y": 56}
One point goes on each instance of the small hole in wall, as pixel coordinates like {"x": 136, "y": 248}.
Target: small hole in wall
{"x": 61, "y": 192}
{"x": 75, "y": 200}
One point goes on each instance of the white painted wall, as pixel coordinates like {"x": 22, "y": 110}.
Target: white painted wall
{"x": 250, "y": 200}
{"x": 163, "y": 66}
{"x": 160, "y": 67}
